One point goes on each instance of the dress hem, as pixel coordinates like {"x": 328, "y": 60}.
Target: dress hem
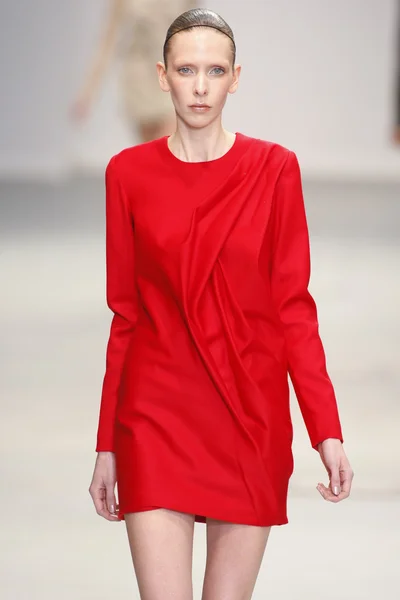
{"x": 201, "y": 516}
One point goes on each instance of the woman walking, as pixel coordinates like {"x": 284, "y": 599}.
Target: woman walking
{"x": 207, "y": 276}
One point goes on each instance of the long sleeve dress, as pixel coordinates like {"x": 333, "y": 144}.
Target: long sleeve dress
{"x": 208, "y": 266}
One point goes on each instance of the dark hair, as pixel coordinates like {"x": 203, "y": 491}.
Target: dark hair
{"x": 198, "y": 17}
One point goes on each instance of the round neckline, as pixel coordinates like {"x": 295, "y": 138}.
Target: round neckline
{"x": 233, "y": 150}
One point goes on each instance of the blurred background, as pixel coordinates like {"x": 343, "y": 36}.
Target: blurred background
{"x": 320, "y": 77}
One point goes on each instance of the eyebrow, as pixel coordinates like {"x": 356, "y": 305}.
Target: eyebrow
{"x": 223, "y": 63}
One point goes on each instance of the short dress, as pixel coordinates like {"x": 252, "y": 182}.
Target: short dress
{"x": 144, "y": 27}
{"x": 208, "y": 268}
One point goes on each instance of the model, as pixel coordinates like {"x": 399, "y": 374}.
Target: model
{"x": 207, "y": 276}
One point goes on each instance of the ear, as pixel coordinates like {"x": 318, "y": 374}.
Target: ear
{"x": 236, "y": 75}
{"x": 162, "y": 77}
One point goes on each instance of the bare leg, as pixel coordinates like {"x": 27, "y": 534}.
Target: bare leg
{"x": 234, "y": 556}
{"x": 153, "y": 130}
{"x": 161, "y": 543}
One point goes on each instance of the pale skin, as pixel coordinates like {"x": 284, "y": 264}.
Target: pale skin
{"x": 199, "y": 70}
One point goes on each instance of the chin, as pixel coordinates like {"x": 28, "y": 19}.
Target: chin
{"x": 199, "y": 124}
{"x": 199, "y": 121}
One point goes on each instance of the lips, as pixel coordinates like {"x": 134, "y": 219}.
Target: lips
{"x": 199, "y": 106}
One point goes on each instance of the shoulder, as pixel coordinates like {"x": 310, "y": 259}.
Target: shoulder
{"x": 129, "y": 160}
{"x": 276, "y": 156}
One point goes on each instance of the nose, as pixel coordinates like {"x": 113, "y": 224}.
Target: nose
{"x": 201, "y": 87}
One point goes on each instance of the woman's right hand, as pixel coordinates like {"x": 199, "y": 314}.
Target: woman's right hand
{"x": 103, "y": 485}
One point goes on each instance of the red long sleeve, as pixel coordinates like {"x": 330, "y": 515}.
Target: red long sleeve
{"x": 290, "y": 276}
{"x": 122, "y": 299}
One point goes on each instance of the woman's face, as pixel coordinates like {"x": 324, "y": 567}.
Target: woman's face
{"x": 199, "y": 72}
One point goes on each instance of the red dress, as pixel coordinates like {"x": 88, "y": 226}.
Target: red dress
{"x": 207, "y": 275}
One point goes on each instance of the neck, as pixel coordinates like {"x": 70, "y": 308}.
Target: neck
{"x": 199, "y": 145}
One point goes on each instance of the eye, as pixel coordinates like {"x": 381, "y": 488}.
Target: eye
{"x": 184, "y": 70}
{"x": 220, "y": 69}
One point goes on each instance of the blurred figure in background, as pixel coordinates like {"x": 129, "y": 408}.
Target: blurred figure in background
{"x": 135, "y": 31}
{"x": 397, "y": 105}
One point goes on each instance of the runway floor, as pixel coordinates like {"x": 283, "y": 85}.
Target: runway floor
{"x": 54, "y": 324}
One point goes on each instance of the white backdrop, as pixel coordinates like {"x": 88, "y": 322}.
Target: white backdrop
{"x": 318, "y": 76}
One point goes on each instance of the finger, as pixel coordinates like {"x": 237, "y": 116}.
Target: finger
{"x": 109, "y": 517}
{"x": 99, "y": 500}
{"x": 334, "y": 483}
{"x": 326, "y": 493}
{"x": 110, "y": 499}
{"x": 105, "y": 513}
{"x": 346, "y": 476}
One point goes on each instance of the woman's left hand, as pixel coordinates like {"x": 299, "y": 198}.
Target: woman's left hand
{"x": 339, "y": 471}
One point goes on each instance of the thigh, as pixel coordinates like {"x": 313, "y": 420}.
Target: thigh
{"x": 234, "y": 556}
{"x": 161, "y": 543}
